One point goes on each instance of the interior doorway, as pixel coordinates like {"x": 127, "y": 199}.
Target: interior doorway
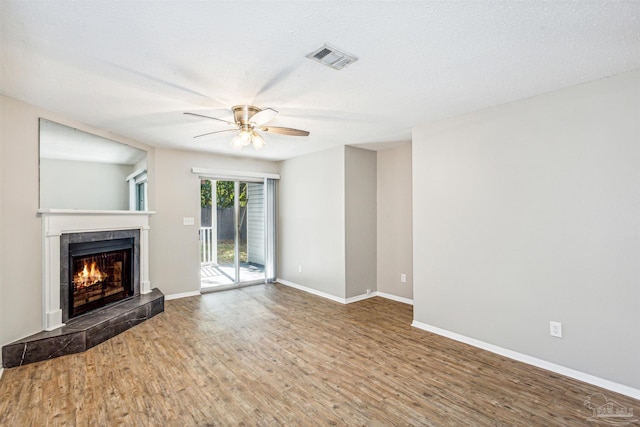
{"x": 232, "y": 233}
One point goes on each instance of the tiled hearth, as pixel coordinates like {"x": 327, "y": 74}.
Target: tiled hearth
{"x": 84, "y": 332}
{"x": 61, "y": 334}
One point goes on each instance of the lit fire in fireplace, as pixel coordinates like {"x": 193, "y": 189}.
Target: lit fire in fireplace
{"x": 90, "y": 275}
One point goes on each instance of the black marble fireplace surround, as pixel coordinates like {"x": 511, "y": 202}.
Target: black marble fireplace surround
{"x": 92, "y": 328}
{"x": 73, "y": 238}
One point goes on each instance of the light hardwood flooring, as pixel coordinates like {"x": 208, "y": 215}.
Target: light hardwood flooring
{"x": 271, "y": 355}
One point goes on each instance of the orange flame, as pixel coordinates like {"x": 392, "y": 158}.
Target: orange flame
{"x": 90, "y": 275}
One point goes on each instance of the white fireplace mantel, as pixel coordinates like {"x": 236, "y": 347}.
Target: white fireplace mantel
{"x": 56, "y": 222}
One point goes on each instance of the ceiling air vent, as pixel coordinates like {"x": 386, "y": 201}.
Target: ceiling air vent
{"x": 332, "y": 57}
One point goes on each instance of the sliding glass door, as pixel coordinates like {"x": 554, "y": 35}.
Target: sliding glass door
{"x": 252, "y": 234}
{"x": 233, "y": 233}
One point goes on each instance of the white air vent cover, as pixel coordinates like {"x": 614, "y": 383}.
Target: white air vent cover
{"x": 332, "y": 57}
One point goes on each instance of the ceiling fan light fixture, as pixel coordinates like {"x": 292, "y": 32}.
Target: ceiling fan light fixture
{"x": 242, "y": 139}
{"x": 247, "y": 120}
{"x": 257, "y": 140}
{"x": 245, "y": 137}
{"x": 236, "y": 143}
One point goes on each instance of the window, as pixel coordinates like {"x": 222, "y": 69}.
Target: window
{"x": 138, "y": 190}
{"x": 141, "y": 196}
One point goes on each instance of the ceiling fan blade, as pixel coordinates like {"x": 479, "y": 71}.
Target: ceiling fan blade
{"x": 214, "y": 118}
{"x": 218, "y": 131}
{"x": 262, "y": 117}
{"x": 284, "y": 131}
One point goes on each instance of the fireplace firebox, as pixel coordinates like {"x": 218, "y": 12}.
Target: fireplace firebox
{"x": 100, "y": 273}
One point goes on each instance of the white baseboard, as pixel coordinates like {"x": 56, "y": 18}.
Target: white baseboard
{"x": 520, "y": 357}
{"x": 395, "y": 298}
{"x": 359, "y": 297}
{"x": 312, "y": 291}
{"x": 1, "y": 371}
{"x": 182, "y": 295}
{"x": 344, "y": 300}
{"x": 558, "y": 369}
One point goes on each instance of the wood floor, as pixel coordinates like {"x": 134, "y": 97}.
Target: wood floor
{"x": 271, "y": 355}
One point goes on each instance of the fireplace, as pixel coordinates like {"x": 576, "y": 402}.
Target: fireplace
{"x": 101, "y": 274}
{"x": 114, "y": 247}
{"x": 97, "y": 269}
{"x": 61, "y": 227}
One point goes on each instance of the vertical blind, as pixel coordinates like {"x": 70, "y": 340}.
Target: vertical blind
{"x": 270, "y": 229}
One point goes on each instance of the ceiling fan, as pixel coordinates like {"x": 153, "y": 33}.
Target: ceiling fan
{"x": 248, "y": 120}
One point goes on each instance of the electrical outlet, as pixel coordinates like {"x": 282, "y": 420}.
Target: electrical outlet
{"x": 555, "y": 329}
{"x": 299, "y": 269}
{"x": 368, "y": 291}
{"x": 403, "y": 278}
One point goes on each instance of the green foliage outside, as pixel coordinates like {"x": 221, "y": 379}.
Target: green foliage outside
{"x": 224, "y": 199}
{"x": 224, "y": 193}
{"x": 205, "y": 193}
{"x": 227, "y": 250}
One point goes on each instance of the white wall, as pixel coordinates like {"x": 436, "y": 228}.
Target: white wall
{"x": 140, "y": 165}
{"x": 70, "y": 184}
{"x": 360, "y": 221}
{"x": 530, "y": 212}
{"x": 311, "y": 227}
{"x": 394, "y": 222}
{"x": 2, "y": 154}
{"x": 327, "y": 221}
{"x": 20, "y": 265}
{"x": 175, "y": 256}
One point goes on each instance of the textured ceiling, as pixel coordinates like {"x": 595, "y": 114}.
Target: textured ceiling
{"x": 133, "y": 67}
